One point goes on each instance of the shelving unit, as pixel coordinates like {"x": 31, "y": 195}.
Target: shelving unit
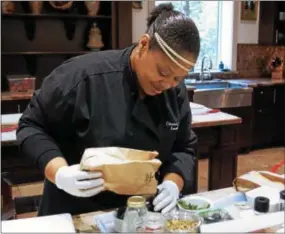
{"x": 37, "y": 43}
{"x": 52, "y": 15}
{"x": 280, "y": 24}
{"x": 45, "y": 53}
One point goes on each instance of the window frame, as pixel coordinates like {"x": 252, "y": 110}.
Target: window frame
{"x": 230, "y": 62}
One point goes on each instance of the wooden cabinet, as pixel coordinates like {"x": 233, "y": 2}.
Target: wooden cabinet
{"x": 263, "y": 122}
{"x": 271, "y": 25}
{"x": 14, "y": 106}
{"x": 244, "y": 130}
{"x": 278, "y": 136}
{"x": 35, "y": 44}
{"x": 268, "y": 116}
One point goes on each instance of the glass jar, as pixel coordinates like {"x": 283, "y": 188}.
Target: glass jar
{"x": 182, "y": 221}
{"x": 134, "y": 217}
{"x": 154, "y": 222}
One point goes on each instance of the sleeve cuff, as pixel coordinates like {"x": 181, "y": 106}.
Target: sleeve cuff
{"x": 179, "y": 168}
{"x": 46, "y": 157}
{"x": 41, "y": 153}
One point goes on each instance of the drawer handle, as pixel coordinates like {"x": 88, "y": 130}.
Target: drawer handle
{"x": 274, "y": 97}
{"x": 18, "y": 108}
{"x": 260, "y": 111}
{"x": 261, "y": 92}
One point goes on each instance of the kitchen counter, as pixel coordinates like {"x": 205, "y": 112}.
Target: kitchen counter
{"x": 199, "y": 119}
{"x": 206, "y": 117}
{"x": 255, "y": 82}
{"x": 84, "y": 223}
{"x": 215, "y": 131}
{"x": 214, "y": 119}
{"x": 7, "y": 96}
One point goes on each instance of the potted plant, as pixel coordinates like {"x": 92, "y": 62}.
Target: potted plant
{"x": 276, "y": 67}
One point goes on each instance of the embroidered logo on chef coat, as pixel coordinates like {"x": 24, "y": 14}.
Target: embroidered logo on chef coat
{"x": 173, "y": 126}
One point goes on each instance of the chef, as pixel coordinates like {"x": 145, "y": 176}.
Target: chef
{"x": 133, "y": 98}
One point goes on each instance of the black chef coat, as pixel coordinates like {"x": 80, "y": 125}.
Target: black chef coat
{"x": 93, "y": 101}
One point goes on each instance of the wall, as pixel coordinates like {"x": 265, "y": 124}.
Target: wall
{"x": 244, "y": 32}
{"x": 247, "y": 30}
{"x": 253, "y": 60}
{"x": 139, "y": 20}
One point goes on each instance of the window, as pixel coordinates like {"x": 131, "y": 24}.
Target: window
{"x": 206, "y": 15}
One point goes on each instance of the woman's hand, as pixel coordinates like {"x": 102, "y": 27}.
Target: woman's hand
{"x": 79, "y": 183}
{"x": 167, "y": 197}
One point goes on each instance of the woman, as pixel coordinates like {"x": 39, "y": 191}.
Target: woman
{"x": 132, "y": 98}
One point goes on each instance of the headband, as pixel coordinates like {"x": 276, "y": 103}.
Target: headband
{"x": 166, "y": 48}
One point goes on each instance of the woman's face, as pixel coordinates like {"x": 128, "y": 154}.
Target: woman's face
{"x": 156, "y": 71}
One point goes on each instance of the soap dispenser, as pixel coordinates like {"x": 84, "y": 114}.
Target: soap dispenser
{"x": 221, "y": 66}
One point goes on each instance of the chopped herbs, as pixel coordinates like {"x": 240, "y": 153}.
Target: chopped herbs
{"x": 189, "y": 206}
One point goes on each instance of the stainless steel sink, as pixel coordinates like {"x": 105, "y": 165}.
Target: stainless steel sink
{"x": 220, "y": 93}
{"x": 218, "y": 85}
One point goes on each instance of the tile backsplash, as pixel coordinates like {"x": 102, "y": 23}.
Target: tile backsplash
{"x": 250, "y": 57}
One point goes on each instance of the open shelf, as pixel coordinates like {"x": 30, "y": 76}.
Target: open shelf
{"x": 43, "y": 16}
{"x": 46, "y": 53}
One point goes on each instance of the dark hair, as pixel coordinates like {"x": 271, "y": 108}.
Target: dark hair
{"x": 175, "y": 28}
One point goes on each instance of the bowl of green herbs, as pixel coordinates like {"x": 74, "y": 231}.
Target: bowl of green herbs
{"x": 195, "y": 204}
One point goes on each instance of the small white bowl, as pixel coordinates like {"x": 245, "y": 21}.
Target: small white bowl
{"x": 195, "y": 200}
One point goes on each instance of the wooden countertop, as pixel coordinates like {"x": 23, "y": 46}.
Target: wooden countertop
{"x": 199, "y": 119}
{"x": 7, "y": 96}
{"x": 84, "y": 223}
{"x": 214, "y": 119}
{"x": 206, "y": 117}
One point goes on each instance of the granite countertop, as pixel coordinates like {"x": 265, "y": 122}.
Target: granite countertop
{"x": 254, "y": 82}
{"x": 250, "y": 82}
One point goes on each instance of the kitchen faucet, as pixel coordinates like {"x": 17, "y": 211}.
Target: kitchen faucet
{"x": 207, "y": 70}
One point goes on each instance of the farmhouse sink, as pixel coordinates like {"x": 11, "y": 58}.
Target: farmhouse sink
{"x": 220, "y": 93}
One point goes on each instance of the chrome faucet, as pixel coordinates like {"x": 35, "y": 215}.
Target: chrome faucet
{"x": 206, "y": 70}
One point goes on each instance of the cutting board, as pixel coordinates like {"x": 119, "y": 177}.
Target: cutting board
{"x": 50, "y": 224}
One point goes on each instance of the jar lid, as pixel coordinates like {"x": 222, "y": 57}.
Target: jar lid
{"x": 136, "y": 201}
{"x": 261, "y": 204}
{"x": 282, "y": 194}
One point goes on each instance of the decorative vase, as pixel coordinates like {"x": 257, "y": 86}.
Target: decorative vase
{"x": 8, "y": 7}
{"x": 95, "y": 38}
{"x": 92, "y": 7}
{"x": 61, "y": 5}
{"x": 36, "y": 7}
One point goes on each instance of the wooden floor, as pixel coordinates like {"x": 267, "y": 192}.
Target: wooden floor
{"x": 255, "y": 160}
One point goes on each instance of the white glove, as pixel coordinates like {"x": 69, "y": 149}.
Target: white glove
{"x": 167, "y": 197}
{"x": 79, "y": 183}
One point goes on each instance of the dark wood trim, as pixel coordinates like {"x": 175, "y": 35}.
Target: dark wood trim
{"x": 45, "y": 53}
{"x": 54, "y": 16}
{"x": 222, "y": 168}
{"x": 124, "y": 24}
{"x": 27, "y": 204}
{"x": 114, "y": 26}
